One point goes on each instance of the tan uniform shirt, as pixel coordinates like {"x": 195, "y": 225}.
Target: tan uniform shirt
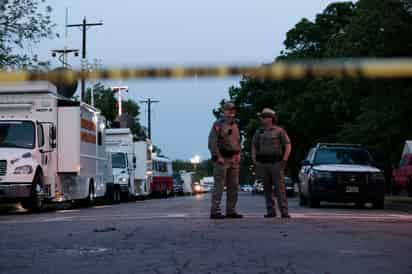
{"x": 270, "y": 142}
{"x": 224, "y": 138}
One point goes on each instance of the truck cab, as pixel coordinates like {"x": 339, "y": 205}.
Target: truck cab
{"x": 119, "y": 143}
{"x": 121, "y": 170}
{"x": 24, "y": 158}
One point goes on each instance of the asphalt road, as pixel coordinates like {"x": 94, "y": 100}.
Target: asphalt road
{"x": 176, "y": 236}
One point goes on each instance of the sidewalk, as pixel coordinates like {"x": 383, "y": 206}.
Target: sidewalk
{"x": 399, "y": 203}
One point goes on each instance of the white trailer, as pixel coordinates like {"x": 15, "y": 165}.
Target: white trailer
{"x": 207, "y": 184}
{"x": 51, "y": 148}
{"x": 188, "y": 181}
{"x": 143, "y": 170}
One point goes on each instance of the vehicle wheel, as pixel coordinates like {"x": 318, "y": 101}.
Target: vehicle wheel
{"x": 116, "y": 195}
{"x": 124, "y": 196}
{"x": 313, "y": 202}
{"x": 359, "y": 205}
{"x": 409, "y": 187}
{"x": 395, "y": 190}
{"x": 379, "y": 204}
{"x": 131, "y": 197}
{"x": 166, "y": 193}
{"x": 90, "y": 200}
{"x": 302, "y": 200}
{"x": 109, "y": 194}
{"x": 36, "y": 201}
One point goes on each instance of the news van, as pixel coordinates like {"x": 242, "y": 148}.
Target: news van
{"x": 131, "y": 163}
{"x": 52, "y": 148}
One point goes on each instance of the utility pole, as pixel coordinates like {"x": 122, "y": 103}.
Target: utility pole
{"x": 63, "y": 53}
{"x": 149, "y": 103}
{"x": 84, "y": 26}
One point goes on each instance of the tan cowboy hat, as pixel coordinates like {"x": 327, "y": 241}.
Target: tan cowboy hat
{"x": 267, "y": 112}
{"x": 229, "y": 106}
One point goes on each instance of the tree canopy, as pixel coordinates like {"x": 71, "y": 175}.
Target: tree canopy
{"x": 105, "y": 100}
{"x": 22, "y": 24}
{"x": 373, "y": 113}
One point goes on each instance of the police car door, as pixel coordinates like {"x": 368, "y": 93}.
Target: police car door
{"x": 304, "y": 172}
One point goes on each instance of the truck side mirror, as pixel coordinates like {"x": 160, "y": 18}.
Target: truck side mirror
{"x": 53, "y": 136}
{"x": 134, "y": 161}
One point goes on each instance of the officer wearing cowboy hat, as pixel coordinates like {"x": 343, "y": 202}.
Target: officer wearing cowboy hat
{"x": 271, "y": 148}
{"x": 224, "y": 146}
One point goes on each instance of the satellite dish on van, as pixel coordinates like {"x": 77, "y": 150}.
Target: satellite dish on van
{"x": 64, "y": 88}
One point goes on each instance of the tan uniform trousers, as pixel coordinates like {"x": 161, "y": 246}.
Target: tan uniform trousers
{"x": 272, "y": 176}
{"x": 226, "y": 174}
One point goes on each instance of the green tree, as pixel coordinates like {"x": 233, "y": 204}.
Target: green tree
{"x": 337, "y": 110}
{"x": 132, "y": 108}
{"x": 203, "y": 169}
{"x": 106, "y": 102}
{"x": 23, "y": 23}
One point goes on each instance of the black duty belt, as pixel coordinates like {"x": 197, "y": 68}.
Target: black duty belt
{"x": 227, "y": 153}
{"x": 268, "y": 159}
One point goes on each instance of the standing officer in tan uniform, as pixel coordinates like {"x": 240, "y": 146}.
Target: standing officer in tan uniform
{"x": 270, "y": 152}
{"x": 224, "y": 146}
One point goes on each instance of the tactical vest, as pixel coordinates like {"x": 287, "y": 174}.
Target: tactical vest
{"x": 228, "y": 138}
{"x": 268, "y": 143}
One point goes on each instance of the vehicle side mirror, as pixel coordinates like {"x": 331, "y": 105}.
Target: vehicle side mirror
{"x": 52, "y": 133}
{"x": 134, "y": 161}
{"x": 305, "y": 163}
{"x": 53, "y": 136}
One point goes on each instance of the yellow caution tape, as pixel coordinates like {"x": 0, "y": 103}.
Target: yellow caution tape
{"x": 350, "y": 68}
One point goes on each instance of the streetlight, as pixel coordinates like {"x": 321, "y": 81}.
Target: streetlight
{"x": 119, "y": 91}
{"x": 195, "y": 160}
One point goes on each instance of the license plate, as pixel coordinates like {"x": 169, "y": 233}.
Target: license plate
{"x": 352, "y": 189}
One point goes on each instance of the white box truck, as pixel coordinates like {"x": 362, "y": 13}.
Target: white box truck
{"x": 131, "y": 163}
{"x": 188, "y": 181}
{"x": 51, "y": 147}
{"x": 119, "y": 143}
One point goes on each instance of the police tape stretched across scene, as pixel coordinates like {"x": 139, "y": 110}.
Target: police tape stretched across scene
{"x": 384, "y": 68}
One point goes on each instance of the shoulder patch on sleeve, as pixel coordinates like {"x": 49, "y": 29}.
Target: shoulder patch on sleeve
{"x": 218, "y": 125}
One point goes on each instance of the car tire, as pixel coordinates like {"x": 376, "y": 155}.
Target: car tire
{"x": 313, "y": 202}
{"x": 36, "y": 201}
{"x": 166, "y": 193}
{"x": 379, "y": 204}
{"x": 303, "y": 201}
{"x": 116, "y": 195}
{"x": 90, "y": 200}
{"x": 409, "y": 187}
{"x": 395, "y": 191}
{"x": 360, "y": 205}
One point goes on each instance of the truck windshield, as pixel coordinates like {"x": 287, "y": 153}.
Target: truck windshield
{"x": 119, "y": 160}
{"x": 342, "y": 157}
{"x": 17, "y": 134}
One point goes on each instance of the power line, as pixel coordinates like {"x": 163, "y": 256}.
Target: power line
{"x": 149, "y": 103}
{"x": 84, "y": 26}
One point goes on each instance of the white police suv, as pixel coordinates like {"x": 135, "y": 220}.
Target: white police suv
{"x": 340, "y": 173}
